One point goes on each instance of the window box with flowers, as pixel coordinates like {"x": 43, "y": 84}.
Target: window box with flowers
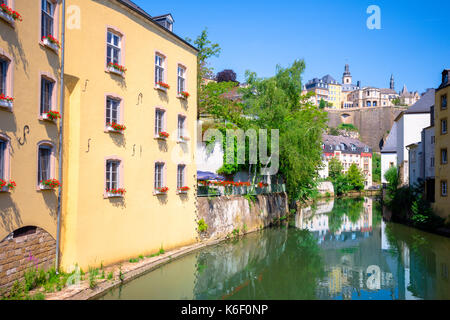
{"x": 183, "y": 190}
{"x": 6, "y": 102}
{"x": 162, "y": 136}
{"x": 51, "y": 42}
{"x": 161, "y": 191}
{"x": 51, "y": 116}
{"x": 115, "y": 127}
{"x": 116, "y": 69}
{"x": 183, "y": 95}
{"x": 49, "y": 184}
{"x": 9, "y": 15}
{"x": 162, "y": 86}
{"x": 115, "y": 193}
{"x": 7, "y": 186}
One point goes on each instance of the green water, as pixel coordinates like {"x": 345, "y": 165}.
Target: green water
{"x": 336, "y": 250}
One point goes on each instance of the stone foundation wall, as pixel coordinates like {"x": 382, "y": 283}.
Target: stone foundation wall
{"x": 15, "y": 255}
{"x": 227, "y": 213}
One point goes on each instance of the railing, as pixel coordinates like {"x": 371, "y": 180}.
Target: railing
{"x": 217, "y": 191}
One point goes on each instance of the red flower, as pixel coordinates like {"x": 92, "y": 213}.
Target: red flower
{"x": 184, "y": 188}
{"x": 13, "y": 14}
{"x": 117, "y": 67}
{"x": 52, "y": 40}
{"x": 120, "y": 191}
{"x": 8, "y": 99}
{"x": 52, "y": 183}
{"x": 53, "y": 115}
{"x": 162, "y": 189}
{"x": 117, "y": 127}
{"x": 163, "y": 84}
{"x": 163, "y": 134}
{"x": 185, "y": 94}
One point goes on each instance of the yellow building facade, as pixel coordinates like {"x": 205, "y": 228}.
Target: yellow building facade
{"x": 442, "y": 204}
{"x": 128, "y": 130}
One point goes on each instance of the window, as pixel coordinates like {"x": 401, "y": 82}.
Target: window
{"x": 444, "y": 158}
{"x": 112, "y": 110}
{"x": 113, "y": 48}
{"x": 3, "y": 144}
{"x": 3, "y": 76}
{"x": 374, "y": 103}
{"x": 444, "y": 101}
{"x": 181, "y": 79}
{"x": 112, "y": 174}
{"x": 159, "y": 169}
{"x": 444, "y": 188}
{"x": 180, "y": 176}
{"x": 44, "y": 163}
{"x": 432, "y": 162}
{"x": 444, "y": 126}
{"x": 159, "y": 121}
{"x": 46, "y": 95}
{"x": 181, "y": 124}
{"x": 48, "y": 10}
{"x": 159, "y": 68}
{"x": 368, "y": 103}
{"x": 433, "y": 139}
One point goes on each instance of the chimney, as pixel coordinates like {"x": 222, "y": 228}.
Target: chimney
{"x": 358, "y": 84}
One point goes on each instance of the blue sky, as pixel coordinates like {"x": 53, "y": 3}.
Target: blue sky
{"x": 413, "y": 43}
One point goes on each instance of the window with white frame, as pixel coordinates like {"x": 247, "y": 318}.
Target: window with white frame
{"x": 112, "y": 174}
{"x": 112, "y": 111}
{"x": 159, "y": 175}
{"x": 44, "y": 163}
{"x": 47, "y": 18}
{"x": 444, "y": 188}
{"x": 444, "y": 158}
{"x": 181, "y": 79}
{"x": 3, "y": 75}
{"x": 181, "y": 126}
{"x": 113, "y": 48}
{"x": 3, "y": 144}
{"x": 444, "y": 101}
{"x": 159, "y": 121}
{"x": 181, "y": 176}
{"x": 46, "y": 95}
{"x": 444, "y": 126}
{"x": 159, "y": 68}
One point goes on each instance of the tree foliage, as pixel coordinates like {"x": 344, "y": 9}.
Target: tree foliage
{"x": 335, "y": 168}
{"x": 226, "y": 75}
{"x": 355, "y": 177}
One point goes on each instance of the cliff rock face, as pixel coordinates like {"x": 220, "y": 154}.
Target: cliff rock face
{"x": 228, "y": 213}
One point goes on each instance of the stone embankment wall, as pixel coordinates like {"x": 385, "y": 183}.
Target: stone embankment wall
{"x": 228, "y": 213}
{"x": 15, "y": 255}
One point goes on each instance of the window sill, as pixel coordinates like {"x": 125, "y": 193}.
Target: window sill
{"x": 6, "y": 105}
{"x": 5, "y": 190}
{"x": 7, "y": 18}
{"x": 182, "y": 192}
{"x": 45, "y": 188}
{"x": 51, "y": 46}
{"x": 112, "y": 130}
{"x": 158, "y": 87}
{"x": 113, "y": 195}
{"x": 183, "y": 141}
{"x": 112, "y": 70}
{"x": 159, "y": 193}
{"x": 181, "y": 97}
{"x": 45, "y": 117}
{"x": 160, "y": 138}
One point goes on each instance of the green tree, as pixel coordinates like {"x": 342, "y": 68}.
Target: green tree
{"x": 277, "y": 103}
{"x": 376, "y": 167}
{"x": 355, "y": 177}
{"x": 335, "y": 168}
{"x": 393, "y": 180}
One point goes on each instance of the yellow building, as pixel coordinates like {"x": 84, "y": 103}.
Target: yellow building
{"x": 115, "y": 124}
{"x": 30, "y": 71}
{"x": 442, "y": 204}
{"x": 335, "y": 95}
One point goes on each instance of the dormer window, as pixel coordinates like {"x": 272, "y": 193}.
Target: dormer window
{"x": 445, "y": 77}
{"x": 166, "y": 21}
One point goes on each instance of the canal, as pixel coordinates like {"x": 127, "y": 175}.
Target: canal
{"x": 340, "y": 249}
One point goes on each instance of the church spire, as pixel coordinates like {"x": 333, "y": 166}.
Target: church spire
{"x": 392, "y": 85}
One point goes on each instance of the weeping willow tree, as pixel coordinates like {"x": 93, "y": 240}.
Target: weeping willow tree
{"x": 277, "y": 103}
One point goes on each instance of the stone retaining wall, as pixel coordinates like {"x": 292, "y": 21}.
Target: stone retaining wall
{"x": 228, "y": 213}
{"x": 15, "y": 255}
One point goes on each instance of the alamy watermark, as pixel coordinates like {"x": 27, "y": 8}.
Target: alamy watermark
{"x": 374, "y": 20}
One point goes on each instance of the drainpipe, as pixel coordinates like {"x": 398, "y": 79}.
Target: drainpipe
{"x": 61, "y": 123}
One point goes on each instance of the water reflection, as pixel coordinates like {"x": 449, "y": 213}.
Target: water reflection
{"x": 338, "y": 249}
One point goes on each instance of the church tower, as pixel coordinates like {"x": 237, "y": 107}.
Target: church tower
{"x": 347, "y": 77}
{"x": 392, "y": 86}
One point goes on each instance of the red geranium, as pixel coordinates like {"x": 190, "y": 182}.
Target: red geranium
{"x": 52, "y": 40}
{"x": 8, "y": 99}
{"x": 53, "y": 115}
{"x": 163, "y": 84}
{"x": 185, "y": 94}
{"x": 163, "y": 134}
{"x": 162, "y": 189}
{"x": 117, "y": 67}
{"x": 120, "y": 191}
{"x": 116, "y": 126}
{"x": 52, "y": 183}
{"x": 13, "y": 14}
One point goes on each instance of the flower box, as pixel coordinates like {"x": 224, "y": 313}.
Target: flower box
{"x": 183, "y": 190}
{"x": 51, "y": 42}
{"x": 161, "y": 191}
{"x": 116, "y": 128}
{"x": 162, "y": 86}
{"x": 6, "y": 102}
{"x": 163, "y": 135}
{"x": 49, "y": 184}
{"x": 51, "y": 116}
{"x": 7, "y": 186}
{"x": 115, "y": 193}
{"x": 183, "y": 95}
{"x": 9, "y": 15}
{"x": 116, "y": 68}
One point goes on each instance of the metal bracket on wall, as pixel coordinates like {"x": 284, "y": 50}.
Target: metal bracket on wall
{"x": 85, "y": 85}
{"x": 134, "y": 150}
{"x": 26, "y": 130}
{"x": 140, "y": 97}
{"x": 89, "y": 145}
